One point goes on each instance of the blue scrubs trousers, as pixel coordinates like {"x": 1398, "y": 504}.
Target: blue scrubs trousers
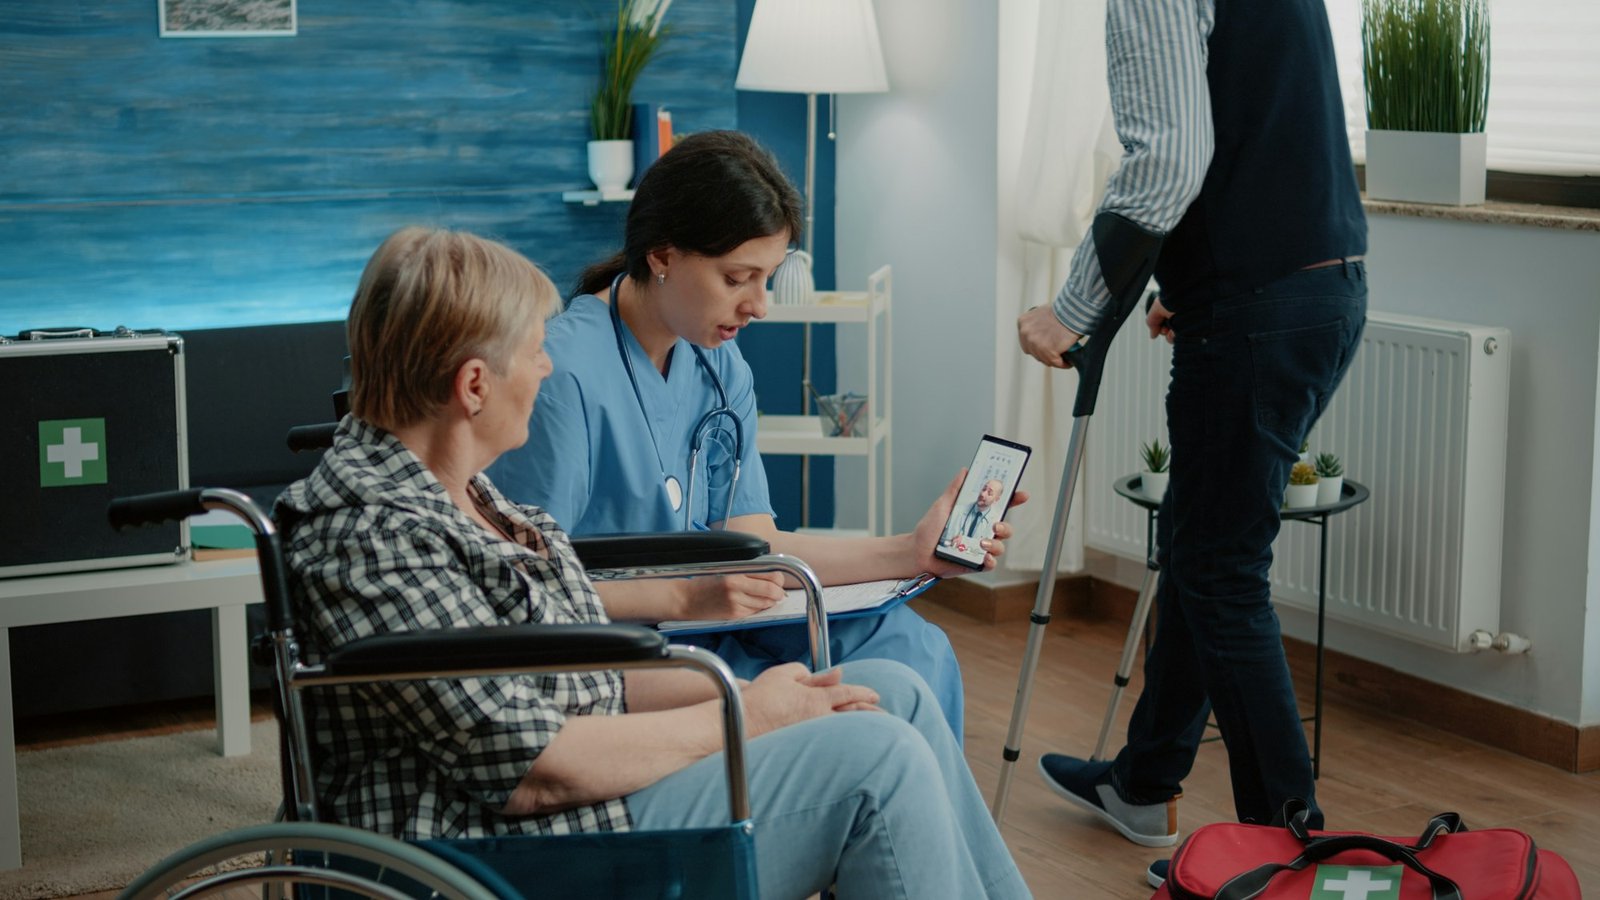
{"x": 900, "y": 634}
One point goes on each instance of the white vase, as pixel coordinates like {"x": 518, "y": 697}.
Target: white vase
{"x": 1153, "y": 484}
{"x": 791, "y": 283}
{"x": 1329, "y": 489}
{"x": 1426, "y": 167}
{"x": 611, "y": 164}
{"x": 1300, "y": 496}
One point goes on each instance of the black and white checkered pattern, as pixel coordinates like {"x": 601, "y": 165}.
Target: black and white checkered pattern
{"x": 376, "y": 546}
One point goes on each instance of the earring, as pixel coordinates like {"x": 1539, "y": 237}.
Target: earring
{"x": 661, "y": 278}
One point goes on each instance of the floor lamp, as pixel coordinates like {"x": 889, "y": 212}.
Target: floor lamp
{"x": 812, "y": 47}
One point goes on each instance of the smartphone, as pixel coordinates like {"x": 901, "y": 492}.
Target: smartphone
{"x": 982, "y": 501}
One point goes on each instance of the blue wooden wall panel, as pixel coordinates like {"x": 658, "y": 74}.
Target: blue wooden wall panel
{"x": 207, "y": 182}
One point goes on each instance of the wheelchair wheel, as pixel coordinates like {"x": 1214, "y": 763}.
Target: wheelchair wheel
{"x": 305, "y": 860}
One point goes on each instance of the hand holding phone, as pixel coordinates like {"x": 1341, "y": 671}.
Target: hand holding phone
{"x": 982, "y": 501}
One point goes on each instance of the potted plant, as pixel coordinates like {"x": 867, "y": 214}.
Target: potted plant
{"x": 1330, "y": 479}
{"x": 629, "y": 47}
{"x": 1426, "y": 66}
{"x": 1153, "y": 480}
{"x": 1302, "y": 490}
{"x": 1305, "y": 450}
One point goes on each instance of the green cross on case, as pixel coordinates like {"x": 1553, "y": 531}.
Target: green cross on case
{"x": 72, "y": 452}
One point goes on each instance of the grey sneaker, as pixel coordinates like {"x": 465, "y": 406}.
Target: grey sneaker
{"x": 1088, "y": 784}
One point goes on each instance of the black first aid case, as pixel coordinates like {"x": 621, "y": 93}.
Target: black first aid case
{"x": 89, "y": 416}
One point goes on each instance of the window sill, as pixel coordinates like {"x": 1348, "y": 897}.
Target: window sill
{"x": 1493, "y": 213}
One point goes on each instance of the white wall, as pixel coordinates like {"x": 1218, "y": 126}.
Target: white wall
{"x": 916, "y": 189}
{"x": 1590, "y": 679}
{"x": 1544, "y": 285}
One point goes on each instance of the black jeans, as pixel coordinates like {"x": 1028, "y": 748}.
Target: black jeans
{"x": 1250, "y": 375}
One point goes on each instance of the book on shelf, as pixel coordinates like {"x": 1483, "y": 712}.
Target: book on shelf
{"x": 652, "y": 136}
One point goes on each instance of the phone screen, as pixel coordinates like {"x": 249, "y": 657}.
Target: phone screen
{"x": 991, "y": 479}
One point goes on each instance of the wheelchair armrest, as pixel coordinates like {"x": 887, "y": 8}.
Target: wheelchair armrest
{"x": 671, "y": 548}
{"x": 507, "y": 648}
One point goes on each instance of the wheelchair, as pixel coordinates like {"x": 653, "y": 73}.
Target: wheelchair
{"x": 301, "y": 857}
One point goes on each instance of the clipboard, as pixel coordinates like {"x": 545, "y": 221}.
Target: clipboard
{"x": 843, "y": 601}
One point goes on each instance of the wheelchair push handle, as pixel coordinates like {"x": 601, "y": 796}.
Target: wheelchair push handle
{"x": 312, "y": 437}
{"x": 149, "y": 509}
{"x": 173, "y": 506}
{"x": 154, "y": 509}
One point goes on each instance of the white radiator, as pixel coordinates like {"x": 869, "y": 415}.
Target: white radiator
{"x": 1420, "y": 420}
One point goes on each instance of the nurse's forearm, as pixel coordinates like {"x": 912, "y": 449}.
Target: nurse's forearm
{"x": 838, "y": 560}
{"x": 645, "y": 600}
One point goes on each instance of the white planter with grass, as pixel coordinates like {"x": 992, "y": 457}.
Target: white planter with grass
{"x": 627, "y": 46}
{"x": 1426, "y": 68}
{"x": 1427, "y": 167}
{"x": 1153, "y": 484}
{"x": 1300, "y": 496}
{"x": 611, "y": 164}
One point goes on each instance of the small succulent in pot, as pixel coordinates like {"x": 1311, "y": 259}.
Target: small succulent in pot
{"x": 1302, "y": 490}
{"x": 1330, "y": 479}
{"x": 1157, "y": 460}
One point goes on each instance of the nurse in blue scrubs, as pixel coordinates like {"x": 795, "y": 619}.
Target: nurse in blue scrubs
{"x": 649, "y": 420}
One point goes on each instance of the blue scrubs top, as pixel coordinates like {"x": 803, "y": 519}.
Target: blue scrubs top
{"x": 598, "y": 464}
{"x": 596, "y": 461}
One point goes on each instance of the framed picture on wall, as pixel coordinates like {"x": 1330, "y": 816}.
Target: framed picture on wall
{"x": 227, "y": 18}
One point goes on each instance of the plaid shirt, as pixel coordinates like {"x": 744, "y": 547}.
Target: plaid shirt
{"x": 375, "y": 545}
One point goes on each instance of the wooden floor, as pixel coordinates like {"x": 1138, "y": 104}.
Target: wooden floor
{"x": 1379, "y": 773}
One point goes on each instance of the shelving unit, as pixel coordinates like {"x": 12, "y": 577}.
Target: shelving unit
{"x": 803, "y": 435}
{"x": 595, "y": 198}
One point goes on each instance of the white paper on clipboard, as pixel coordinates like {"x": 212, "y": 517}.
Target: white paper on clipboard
{"x": 841, "y": 601}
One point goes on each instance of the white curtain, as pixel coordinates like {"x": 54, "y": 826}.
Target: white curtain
{"x": 1068, "y": 148}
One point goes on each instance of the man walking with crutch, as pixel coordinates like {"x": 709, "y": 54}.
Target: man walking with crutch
{"x": 1258, "y": 247}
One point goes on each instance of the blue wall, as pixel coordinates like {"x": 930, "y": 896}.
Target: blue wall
{"x": 774, "y": 351}
{"x": 188, "y": 183}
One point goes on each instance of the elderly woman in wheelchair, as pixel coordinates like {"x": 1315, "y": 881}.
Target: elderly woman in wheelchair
{"x": 855, "y": 780}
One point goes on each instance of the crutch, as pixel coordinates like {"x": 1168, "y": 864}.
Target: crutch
{"x": 1127, "y": 255}
{"x": 1130, "y": 646}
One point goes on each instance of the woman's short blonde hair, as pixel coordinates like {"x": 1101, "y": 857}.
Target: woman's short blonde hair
{"x": 429, "y": 300}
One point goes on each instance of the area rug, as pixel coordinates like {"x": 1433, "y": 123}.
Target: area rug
{"x": 95, "y": 816}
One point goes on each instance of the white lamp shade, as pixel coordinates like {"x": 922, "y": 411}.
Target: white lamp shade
{"x": 813, "y": 47}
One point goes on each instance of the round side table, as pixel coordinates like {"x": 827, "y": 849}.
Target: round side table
{"x": 1130, "y": 487}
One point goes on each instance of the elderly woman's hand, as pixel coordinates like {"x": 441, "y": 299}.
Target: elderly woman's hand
{"x": 790, "y": 693}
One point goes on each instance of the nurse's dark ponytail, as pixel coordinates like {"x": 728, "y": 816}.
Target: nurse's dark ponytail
{"x": 710, "y": 193}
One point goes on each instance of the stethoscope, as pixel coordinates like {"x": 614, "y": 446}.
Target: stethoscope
{"x": 706, "y": 425}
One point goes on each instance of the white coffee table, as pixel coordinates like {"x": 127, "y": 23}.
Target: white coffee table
{"x": 225, "y": 587}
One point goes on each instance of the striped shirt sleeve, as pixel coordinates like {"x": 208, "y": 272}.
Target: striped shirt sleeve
{"x": 1161, "y": 105}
